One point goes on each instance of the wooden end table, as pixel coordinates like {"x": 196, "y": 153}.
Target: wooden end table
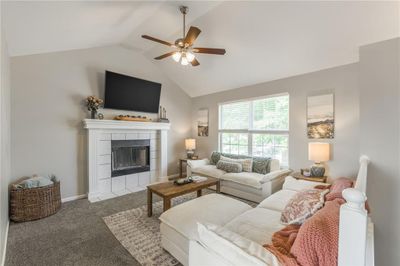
{"x": 181, "y": 161}
{"x": 168, "y": 190}
{"x": 298, "y": 175}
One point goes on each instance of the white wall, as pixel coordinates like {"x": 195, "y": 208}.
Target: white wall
{"x": 5, "y": 89}
{"x": 47, "y": 110}
{"x": 380, "y": 134}
{"x": 343, "y": 81}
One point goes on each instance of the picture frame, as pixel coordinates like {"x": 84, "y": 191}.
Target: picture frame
{"x": 321, "y": 116}
{"x": 202, "y": 122}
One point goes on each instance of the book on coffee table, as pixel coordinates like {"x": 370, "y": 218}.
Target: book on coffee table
{"x": 197, "y": 178}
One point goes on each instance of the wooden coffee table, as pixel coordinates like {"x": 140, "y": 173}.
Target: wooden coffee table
{"x": 167, "y": 190}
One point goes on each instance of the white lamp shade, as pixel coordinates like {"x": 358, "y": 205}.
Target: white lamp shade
{"x": 190, "y": 144}
{"x": 176, "y": 56}
{"x": 318, "y": 151}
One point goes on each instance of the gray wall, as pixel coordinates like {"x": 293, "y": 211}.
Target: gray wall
{"x": 380, "y": 133}
{"x": 5, "y": 89}
{"x": 47, "y": 110}
{"x": 343, "y": 81}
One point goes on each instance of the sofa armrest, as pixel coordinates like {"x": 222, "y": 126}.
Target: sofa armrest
{"x": 292, "y": 183}
{"x": 197, "y": 163}
{"x": 275, "y": 175}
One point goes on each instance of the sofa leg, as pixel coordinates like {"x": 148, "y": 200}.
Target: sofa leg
{"x": 199, "y": 192}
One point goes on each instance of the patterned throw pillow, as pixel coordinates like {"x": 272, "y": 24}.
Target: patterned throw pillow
{"x": 230, "y": 167}
{"x": 303, "y": 205}
{"x": 247, "y": 164}
{"x": 261, "y": 165}
{"x": 339, "y": 184}
{"x": 215, "y": 156}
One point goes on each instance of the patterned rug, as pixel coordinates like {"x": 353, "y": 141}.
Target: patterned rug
{"x": 141, "y": 236}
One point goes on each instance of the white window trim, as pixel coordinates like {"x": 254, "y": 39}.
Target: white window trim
{"x": 251, "y": 131}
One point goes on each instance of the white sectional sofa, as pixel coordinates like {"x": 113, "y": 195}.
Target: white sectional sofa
{"x": 247, "y": 185}
{"x": 179, "y": 225}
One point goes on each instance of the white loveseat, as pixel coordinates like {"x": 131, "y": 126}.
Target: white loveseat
{"x": 179, "y": 225}
{"x": 247, "y": 185}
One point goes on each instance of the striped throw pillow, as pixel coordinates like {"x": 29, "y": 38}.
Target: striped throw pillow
{"x": 247, "y": 164}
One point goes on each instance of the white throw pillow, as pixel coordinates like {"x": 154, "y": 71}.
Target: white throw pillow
{"x": 234, "y": 248}
{"x": 247, "y": 164}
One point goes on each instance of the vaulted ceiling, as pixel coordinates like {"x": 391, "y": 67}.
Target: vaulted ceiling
{"x": 264, "y": 40}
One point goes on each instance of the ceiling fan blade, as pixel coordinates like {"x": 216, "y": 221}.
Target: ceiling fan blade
{"x": 217, "y": 51}
{"x": 164, "y": 56}
{"x": 156, "y": 40}
{"x": 195, "y": 62}
{"x": 191, "y": 36}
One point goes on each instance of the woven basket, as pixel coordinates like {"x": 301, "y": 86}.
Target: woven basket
{"x": 27, "y": 204}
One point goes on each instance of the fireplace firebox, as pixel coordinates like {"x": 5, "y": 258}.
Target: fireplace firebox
{"x": 129, "y": 157}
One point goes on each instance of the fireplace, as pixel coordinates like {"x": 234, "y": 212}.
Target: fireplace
{"x": 129, "y": 157}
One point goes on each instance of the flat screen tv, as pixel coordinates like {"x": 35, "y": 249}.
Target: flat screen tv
{"x": 129, "y": 93}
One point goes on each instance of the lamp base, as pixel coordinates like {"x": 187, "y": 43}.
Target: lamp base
{"x": 317, "y": 170}
{"x": 189, "y": 154}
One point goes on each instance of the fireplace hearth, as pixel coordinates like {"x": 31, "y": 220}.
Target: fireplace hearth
{"x": 129, "y": 157}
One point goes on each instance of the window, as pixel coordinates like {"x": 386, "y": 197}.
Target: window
{"x": 258, "y": 127}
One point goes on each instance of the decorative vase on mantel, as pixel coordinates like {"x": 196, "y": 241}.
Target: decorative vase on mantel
{"x": 93, "y": 114}
{"x": 93, "y": 103}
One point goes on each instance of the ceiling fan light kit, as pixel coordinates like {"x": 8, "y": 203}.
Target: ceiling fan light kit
{"x": 184, "y": 52}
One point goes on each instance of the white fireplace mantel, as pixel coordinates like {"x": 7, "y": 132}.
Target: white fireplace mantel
{"x": 100, "y": 135}
{"x": 118, "y": 124}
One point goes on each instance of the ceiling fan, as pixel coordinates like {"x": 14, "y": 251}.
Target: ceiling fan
{"x": 184, "y": 50}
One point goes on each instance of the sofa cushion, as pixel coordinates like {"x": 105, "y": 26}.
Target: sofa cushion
{"x": 278, "y": 200}
{"x": 208, "y": 170}
{"x": 244, "y": 178}
{"x": 213, "y": 208}
{"x": 292, "y": 183}
{"x": 235, "y": 248}
{"x": 258, "y": 224}
{"x": 229, "y": 166}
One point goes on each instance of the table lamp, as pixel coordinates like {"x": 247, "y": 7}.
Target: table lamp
{"x": 190, "y": 145}
{"x": 319, "y": 153}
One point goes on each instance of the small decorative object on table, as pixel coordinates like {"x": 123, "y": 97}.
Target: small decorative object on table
{"x": 190, "y": 145}
{"x": 319, "y": 153}
{"x": 183, "y": 181}
{"x": 305, "y": 172}
{"x": 93, "y": 103}
{"x": 100, "y": 116}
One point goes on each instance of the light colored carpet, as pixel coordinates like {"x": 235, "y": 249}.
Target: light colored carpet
{"x": 141, "y": 236}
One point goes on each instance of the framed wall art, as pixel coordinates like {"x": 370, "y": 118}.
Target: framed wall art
{"x": 320, "y": 116}
{"x": 202, "y": 123}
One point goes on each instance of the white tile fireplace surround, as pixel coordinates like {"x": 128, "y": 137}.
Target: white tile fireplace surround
{"x": 101, "y": 133}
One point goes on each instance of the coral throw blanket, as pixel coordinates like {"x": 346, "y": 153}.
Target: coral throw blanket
{"x": 314, "y": 243}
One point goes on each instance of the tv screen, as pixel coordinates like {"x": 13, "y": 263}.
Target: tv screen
{"x": 129, "y": 93}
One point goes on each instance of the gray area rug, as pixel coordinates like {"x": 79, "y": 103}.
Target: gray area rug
{"x": 140, "y": 234}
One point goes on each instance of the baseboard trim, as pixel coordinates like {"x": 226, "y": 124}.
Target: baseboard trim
{"x": 3, "y": 258}
{"x": 83, "y": 196}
